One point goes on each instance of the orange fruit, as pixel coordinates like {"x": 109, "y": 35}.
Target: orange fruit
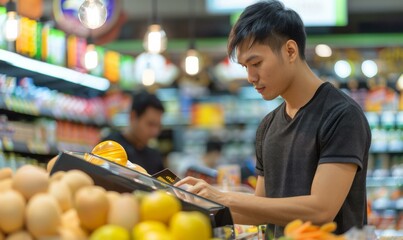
{"x": 110, "y": 232}
{"x": 110, "y": 150}
{"x": 159, "y": 206}
{"x": 292, "y": 226}
{"x": 190, "y": 225}
{"x": 329, "y": 227}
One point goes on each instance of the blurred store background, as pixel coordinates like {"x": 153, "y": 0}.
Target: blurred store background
{"x": 54, "y": 97}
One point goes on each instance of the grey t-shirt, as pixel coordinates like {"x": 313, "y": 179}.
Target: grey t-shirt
{"x": 330, "y": 128}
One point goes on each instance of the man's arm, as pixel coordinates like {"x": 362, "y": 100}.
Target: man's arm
{"x": 260, "y": 192}
{"x": 329, "y": 189}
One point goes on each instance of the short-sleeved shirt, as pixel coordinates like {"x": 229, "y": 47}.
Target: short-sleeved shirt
{"x": 150, "y": 159}
{"x": 330, "y": 128}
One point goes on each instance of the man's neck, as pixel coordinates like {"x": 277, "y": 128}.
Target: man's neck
{"x": 131, "y": 138}
{"x": 302, "y": 89}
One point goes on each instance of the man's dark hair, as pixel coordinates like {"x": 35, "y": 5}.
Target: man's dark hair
{"x": 268, "y": 22}
{"x": 141, "y": 100}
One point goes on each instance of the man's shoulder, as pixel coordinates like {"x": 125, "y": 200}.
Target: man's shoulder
{"x": 115, "y": 136}
{"x": 152, "y": 152}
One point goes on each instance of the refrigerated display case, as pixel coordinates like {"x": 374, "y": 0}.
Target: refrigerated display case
{"x": 115, "y": 177}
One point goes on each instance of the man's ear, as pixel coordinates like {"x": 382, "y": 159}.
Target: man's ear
{"x": 291, "y": 50}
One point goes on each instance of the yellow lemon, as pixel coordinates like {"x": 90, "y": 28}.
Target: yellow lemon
{"x": 141, "y": 229}
{"x": 110, "y": 231}
{"x": 190, "y": 225}
{"x": 156, "y": 236}
{"x": 159, "y": 206}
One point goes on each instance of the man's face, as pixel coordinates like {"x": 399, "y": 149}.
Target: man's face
{"x": 147, "y": 126}
{"x": 267, "y": 71}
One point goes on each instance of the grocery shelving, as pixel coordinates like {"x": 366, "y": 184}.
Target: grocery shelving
{"x": 46, "y": 108}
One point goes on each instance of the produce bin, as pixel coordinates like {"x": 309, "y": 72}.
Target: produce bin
{"x": 115, "y": 177}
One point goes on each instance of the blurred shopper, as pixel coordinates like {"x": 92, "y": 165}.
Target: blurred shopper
{"x": 311, "y": 151}
{"x": 206, "y": 167}
{"x": 144, "y": 124}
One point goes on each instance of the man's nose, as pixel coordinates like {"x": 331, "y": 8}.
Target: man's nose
{"x": 252, "y": 77}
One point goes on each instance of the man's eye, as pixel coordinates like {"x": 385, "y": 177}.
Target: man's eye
{"x": 256, "y": 64}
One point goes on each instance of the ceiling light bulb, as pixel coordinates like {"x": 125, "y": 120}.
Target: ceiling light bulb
{"x": 342, "y": 68}
{"x": 91, "y": 57}
{"x": 155, "y": 40}
{"x": 369, "y": 68}
{"x": 323, "y": 50}
{"x": 92, "y": 13}
{"x": 192, "y": 62}
{"x": 12, "y": 24}
{"x": 148, "y": 77}
{"x": 400, "y": 83}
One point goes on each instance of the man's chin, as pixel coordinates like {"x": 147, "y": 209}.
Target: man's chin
{"x": 268, "y": 97}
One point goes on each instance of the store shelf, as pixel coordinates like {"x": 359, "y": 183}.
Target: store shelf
{"x": 39, "y": 148}
{"x": 28, "y": 108}
{"x": 62, "y": 78}
{"x": 384, "y": 181}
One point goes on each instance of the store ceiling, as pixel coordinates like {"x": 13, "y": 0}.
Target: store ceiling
{"x": 365, "y": 16}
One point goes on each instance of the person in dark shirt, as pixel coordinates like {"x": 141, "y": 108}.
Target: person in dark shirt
{"x": 144, "y": 124}
{"x": 311, "y": 151}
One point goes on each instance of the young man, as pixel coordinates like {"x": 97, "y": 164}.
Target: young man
{"x": 312, "y": 150}
{"x": 144, "y": 124}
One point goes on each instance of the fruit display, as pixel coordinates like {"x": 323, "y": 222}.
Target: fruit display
{"x": 114, "y": 152}
{"x": 67, "y": 205}
{"x": 299, "y": 230}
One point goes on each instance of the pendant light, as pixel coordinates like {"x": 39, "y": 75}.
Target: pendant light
{"x": 192, "y": 62}
{"x": 155, "y": 40}
{"x": 92, "y": 13}
{"x": 148, "y": 76}
{"x": 91, "y": 55}
{"x": 12, "y": 23}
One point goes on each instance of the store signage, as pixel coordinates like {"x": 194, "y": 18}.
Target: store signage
{"x": 312, "y": 12}
{"x": 66, "y": 16}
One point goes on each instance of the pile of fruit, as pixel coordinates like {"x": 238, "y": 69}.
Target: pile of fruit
{"x": 67, "y": 205}
{"x": 299, "y": 230}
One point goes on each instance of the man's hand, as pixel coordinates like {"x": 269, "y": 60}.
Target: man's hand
{"x": 203, "y": 189}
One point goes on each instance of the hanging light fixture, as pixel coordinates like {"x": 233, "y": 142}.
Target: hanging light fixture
{"x": 92, "y": 13}
{"x": 12, "y": 24}
{"x": 91, "y": 55}
{"x": 192, "y": 63}
{"x": 155, "y": 39}
{"x": 148, "y": 76}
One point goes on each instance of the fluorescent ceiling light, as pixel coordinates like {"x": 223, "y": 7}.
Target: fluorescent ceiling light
{"x": 98, "y": 83}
